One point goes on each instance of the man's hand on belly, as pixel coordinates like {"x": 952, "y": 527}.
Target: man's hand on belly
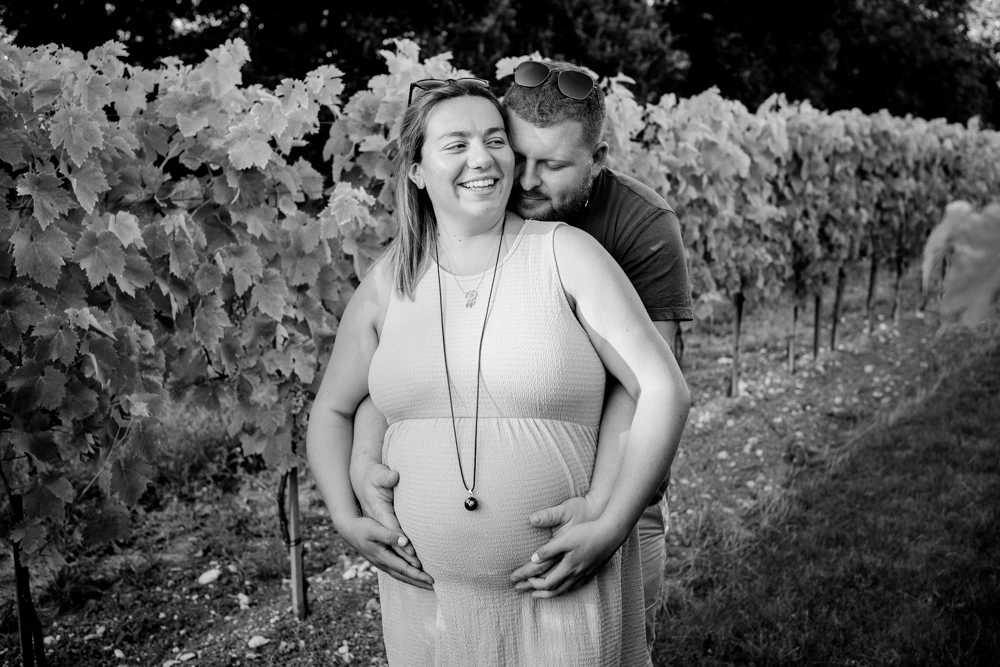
{"x": 576, "y": 552}
{"x": 373, "y": 486}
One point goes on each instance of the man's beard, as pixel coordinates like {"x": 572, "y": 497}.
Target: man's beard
{"x": 545, "y": 210}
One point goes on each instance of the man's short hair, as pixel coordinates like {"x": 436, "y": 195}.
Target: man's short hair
{"x": 544, "y": 105}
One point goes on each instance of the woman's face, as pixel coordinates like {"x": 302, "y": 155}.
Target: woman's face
{"x": 467, "y": 165}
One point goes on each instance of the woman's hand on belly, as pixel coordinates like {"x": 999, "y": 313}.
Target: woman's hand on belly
{"x": 378, "y": 544}
{"x": 579, "y": 549}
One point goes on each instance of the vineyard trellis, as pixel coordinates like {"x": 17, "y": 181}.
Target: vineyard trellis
{"x": 163, "y": 238}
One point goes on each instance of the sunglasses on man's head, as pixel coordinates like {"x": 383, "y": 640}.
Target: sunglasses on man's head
{"x": 573, "y": 84}
{"x": 418, "y": 88}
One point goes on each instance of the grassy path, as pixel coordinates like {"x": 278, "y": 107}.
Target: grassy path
{"x": 886, "y": 554}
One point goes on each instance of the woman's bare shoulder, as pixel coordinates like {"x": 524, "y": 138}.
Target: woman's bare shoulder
{"x": 577, "y": 247}
{"x": 368, "y": 305}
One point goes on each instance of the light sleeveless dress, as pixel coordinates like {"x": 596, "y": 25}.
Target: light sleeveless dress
{"x": 541, "y": 396}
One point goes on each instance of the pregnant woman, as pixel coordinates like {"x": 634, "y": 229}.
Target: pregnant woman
{"x": 483, "y": 339}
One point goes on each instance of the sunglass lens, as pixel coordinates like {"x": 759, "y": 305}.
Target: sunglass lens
{"x": 575, "y": 85}
{"x": 530, "y": 74}
{"x": 418, "y": 88}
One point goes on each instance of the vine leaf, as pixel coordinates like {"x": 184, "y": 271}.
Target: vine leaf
{"x": 59, "y": 486}
{"x": 11, "y": 148}
{"x": 109, "y": 522}
{"x": 29, "y": 534}
{"x": 80, "y": 402}
{"x": 222, "y": 67}
{"x": 245, "y": 264}
{"x": 43, "y": 386}
{"x": 100, "y": 255}
{"x": 39, "y": 445}
{"x": 129, "y": 477}
{"x": 89, "y": 183}
{"x": 49, "y": 199}
{"x": 40, "y": 255}
{"x": 93, "y": 89}
{"x": 125, "y": 226}
{"x": 136, "y": 274}
{"x": 86, "y": 320}
{"x": 274, "y": 449}
{"x": 208, "y": 278}
{"x": 42, "y": 503}
{"x": 270, "y": 295}
{"x": 55, "y": 341}
{"x": 128, "y": 94}
{"x": 247, "y": 152}
{"x": 19, "y": 311}
{"x": 210, "y": 321}
{"x": 76, "y": 129}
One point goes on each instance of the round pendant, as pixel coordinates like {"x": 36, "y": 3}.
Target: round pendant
{"x": 471, "y": 503}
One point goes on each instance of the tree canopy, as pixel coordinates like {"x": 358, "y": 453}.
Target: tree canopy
{"x": 907, "y": 56}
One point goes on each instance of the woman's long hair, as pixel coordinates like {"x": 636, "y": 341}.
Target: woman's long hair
{"x": 416, "y": 237}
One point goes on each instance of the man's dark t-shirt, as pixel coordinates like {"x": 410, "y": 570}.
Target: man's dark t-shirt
{"x": 640, "y": 230}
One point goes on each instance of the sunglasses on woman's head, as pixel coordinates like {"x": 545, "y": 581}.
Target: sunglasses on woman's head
{"x": 418, "y": 88}
{"x": 573, "y": 84}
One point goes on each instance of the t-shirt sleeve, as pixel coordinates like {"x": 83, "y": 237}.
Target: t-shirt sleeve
{"x": 652, "y": 256}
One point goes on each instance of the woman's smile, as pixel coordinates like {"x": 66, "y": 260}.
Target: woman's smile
{"x": 480, "y": 184}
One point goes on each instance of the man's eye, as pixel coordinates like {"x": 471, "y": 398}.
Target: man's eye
{"x": 497, "y": 143}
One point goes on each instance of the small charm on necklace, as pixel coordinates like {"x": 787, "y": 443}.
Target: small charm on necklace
{"x": 471, "y": 503}
{"x": 470, "y": 298}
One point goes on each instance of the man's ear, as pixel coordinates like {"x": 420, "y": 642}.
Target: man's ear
{"x": 414, "y": 174}
{"x": 600, "y": 156}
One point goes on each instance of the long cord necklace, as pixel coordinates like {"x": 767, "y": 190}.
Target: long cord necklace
{"x": 470, "y": 503}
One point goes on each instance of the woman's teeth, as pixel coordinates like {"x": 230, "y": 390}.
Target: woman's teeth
{"x": 485, "y": 183}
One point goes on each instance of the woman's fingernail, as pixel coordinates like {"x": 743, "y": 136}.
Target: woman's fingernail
{"x": 401, "y": 541}
{"x": 535, "y": 558}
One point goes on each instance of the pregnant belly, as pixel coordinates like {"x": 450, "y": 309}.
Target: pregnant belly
{"x": 521, "y": 466}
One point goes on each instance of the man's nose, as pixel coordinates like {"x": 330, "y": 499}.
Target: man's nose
{"x": 528, "y": 178}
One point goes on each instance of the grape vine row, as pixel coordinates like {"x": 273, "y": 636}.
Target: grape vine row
{"x": 164, "y": 236}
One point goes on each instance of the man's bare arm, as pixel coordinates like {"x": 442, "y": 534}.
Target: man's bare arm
{"x": 616, "y": 418}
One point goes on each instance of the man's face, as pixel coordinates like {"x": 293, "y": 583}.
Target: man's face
{"x": 554, "y": 171}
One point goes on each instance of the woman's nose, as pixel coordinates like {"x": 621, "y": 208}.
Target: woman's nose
{"x": 479, "y": 157}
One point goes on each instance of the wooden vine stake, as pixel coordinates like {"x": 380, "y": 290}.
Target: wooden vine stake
{"x": 734, "y": 380}
{"x": 29, "y": 627}
{"x": 870, "y": 301}
{"x": 295, "y": 546}
{"x": 897, "y": 297}
{"x": 791, "y": 338}
{"x": 837, "y": 299}
{"x": 817, "y": 308}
